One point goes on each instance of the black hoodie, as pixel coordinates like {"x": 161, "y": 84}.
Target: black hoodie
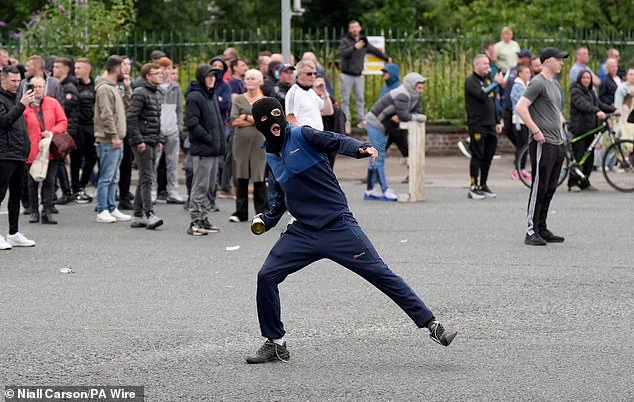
{"x": 70, "y": 103}
{"x": 203, "y": 118}
{"x": 584, "y": 106}
{"x": 222, "y": 90}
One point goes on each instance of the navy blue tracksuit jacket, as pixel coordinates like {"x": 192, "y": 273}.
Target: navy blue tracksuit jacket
{"x": 325, "y": 227}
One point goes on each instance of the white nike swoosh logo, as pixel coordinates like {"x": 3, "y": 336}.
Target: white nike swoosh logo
{"x": 358, "y": 255}
{"x": 294, "y": 151}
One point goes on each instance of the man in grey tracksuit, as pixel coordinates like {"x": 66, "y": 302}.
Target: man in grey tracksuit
{"x": 171, "y": 127}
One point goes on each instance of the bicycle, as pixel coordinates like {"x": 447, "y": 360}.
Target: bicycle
{"x": 617, "y": 164}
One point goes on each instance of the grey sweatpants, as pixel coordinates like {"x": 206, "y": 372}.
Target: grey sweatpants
{"x": 171, "y": 149}
{"x": 351, "y": 83}
{"x": 205, "y": 171}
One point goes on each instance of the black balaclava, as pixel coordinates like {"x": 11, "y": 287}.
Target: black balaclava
{"x": 266, "y": 113}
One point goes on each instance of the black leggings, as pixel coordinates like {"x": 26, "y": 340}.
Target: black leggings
{"x": 86, "y": 152}
{"x": 579, "y": 148}
{"x": 12, "y": 179}
{"x": 483, "y": 146}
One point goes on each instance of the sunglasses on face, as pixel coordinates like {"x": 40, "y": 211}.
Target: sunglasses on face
{"x": 310, "y": 73}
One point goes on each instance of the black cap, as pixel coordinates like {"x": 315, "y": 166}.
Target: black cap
{"x": 524, "y": 53}
{"x": 549, "y": 52}
{"x": 157, "y": 54}
{"x": 282, "y": 68}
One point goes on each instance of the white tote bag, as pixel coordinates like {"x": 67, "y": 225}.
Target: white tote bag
{"x": 39, "y": 168}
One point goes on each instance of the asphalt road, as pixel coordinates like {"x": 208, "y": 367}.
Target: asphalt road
{"x": 177, "y": 314}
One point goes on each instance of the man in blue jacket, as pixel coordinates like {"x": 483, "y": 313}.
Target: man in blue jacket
{"x": 324, "y": 226}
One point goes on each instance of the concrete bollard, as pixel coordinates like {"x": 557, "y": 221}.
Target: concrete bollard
{"x": 416, "y": 161}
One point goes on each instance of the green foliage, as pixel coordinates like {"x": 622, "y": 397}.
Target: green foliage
{"x": 76, "y": 27}
{"x": 532, "y": 17}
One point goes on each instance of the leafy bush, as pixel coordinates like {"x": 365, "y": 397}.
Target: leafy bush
{"x": 78, "y": 28}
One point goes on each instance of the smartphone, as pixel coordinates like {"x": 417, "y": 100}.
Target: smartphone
{"x": 29, "y": 87}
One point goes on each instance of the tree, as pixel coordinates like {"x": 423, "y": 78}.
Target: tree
{"x": 76, "y": 27}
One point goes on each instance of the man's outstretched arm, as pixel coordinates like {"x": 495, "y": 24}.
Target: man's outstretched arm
{"x": 327, "y": 141}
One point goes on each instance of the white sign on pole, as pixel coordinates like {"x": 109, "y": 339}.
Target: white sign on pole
{"x": 373, "y": 64}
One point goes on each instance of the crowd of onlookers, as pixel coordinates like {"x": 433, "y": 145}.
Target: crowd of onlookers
{"x": 501, "y": 76}
{"x": 112, "y": 121}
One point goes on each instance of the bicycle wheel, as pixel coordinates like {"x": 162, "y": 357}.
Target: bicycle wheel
{"x": 525, "y": 154}
{"x": 618, "y": 165}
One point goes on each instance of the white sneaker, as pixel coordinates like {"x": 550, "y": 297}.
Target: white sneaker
{"x": 119, "y": 216}
{"x": 19, "y": 240}
{"x": 390, "y": 195}
{"x": 4, "y": 245}
{"x": 374, "y": 194}
{"x": 105, "y": 217}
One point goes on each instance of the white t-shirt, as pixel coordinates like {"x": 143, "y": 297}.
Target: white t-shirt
{"x": 507, "y": 54}
{"x": 305, "y": 106}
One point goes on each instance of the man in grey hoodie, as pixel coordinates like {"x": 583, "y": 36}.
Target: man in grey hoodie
{"x": 171, "y": 127}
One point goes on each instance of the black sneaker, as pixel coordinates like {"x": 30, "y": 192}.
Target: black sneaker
{"x": 82, "y": 198}
{"x": 269, "y": 352}
{"x": 66, "y": 199}
{"x": 487, "y": 192}
{"x": 534, "y": 240}
{"x": 125, "y": 205}
{"x": 475, "y": 193}
{"x": 52, "y": 209}
{"x": 207, "y": 226}
{"x": 162, "y": 196}
{"x": 27, "y": 211}
{"x": 550, "y": 237}
{"x": 196, "y": 229}
{"x": 438, "y": 334}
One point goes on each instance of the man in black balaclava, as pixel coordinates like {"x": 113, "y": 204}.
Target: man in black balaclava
{"x": 325, "y": 227}
{"x": 206, "y": 135}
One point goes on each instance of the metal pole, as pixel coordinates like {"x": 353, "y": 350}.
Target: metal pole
{"x": 286, "y": 30}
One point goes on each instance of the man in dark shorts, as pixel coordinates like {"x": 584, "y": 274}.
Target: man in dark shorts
{"x": 324, "y": 226}
{"x": 540, "y": 110}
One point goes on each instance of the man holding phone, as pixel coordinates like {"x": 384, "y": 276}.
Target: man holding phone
{"x": 540, "y": 110}
{"x": 14, "y": 150}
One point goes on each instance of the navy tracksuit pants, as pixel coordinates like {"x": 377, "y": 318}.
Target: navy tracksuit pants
{"x": 343, "y": 242}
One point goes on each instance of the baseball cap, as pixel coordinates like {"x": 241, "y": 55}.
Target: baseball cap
{"x": 524, "y": 53}
{"x": 549, "y": 52}
{"x": 157, "y": 54}
{"x": 286, "y": 67}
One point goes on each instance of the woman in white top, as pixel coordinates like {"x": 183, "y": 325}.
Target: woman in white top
{"x": 507, "y": 50}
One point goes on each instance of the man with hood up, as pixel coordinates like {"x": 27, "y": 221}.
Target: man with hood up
{"x": 324, "y": 226}
{"x": 206, "y": 135}
{"x": 396, "y": 135}
{"x": 400, "y": 104}
{"x": 392, "y": 76}
{"x": 222, "y": 92}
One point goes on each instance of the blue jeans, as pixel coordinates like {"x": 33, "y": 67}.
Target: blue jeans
{"x": 109, "y": 161}
{"x": 378, "y": 140}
